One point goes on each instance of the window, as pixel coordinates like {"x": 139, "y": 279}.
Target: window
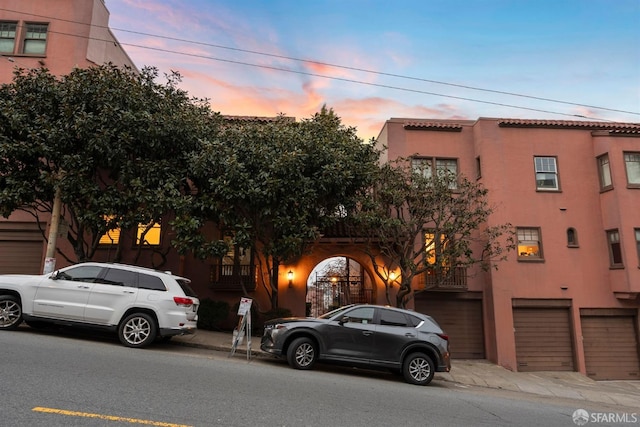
{"x": 83, "y": 273}
{"x": 546, "y": 173}
{"x": 445, "y": 168}
{"x": 236, "y": 260}
{"x": 572, "y": 237}
{"x": 8, "y": 36}
{"x": 393, "y": 318}
{"x": 148, "y": 234}
{"x": 604, "y": 170}
{"x": 35, "y": 39}
{"x": 529, "y": 244}
{"x": 637, "y": 233}
{"x": 361, "y": 315}
{"x": 632, "y": 163}
{"x": 615, "y": 250}
{"x": 111, "y": 237}
{"x": 117, "y": 277}
{"x": 435, "y": 249}
{"x": 154, "y": 283}
{"x": 478, "y": 168}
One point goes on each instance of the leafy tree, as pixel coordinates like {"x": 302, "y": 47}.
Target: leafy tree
{"x": 274, "y": 185}
{"x": 421, "y": 222}
{"x": 113, "y": 141}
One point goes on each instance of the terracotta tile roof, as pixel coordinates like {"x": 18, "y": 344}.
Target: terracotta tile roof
{"x": 433, "y": 125}
{"x": 613, "y": 127}
{"x": 255, "y": 119}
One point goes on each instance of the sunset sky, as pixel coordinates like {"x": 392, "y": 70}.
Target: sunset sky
{"x": 371, "y": 60}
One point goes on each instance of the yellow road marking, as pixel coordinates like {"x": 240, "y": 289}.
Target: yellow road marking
{"x": 105, "y": 417}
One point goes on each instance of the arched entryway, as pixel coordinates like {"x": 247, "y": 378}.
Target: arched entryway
{"x": 335, "y": 282}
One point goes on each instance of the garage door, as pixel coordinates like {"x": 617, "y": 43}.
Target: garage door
{"x": 543, "y": 339}
{"x": 21, "y": 249}
{"x": 461, "y": 320}
{"x": 610, "y": 347}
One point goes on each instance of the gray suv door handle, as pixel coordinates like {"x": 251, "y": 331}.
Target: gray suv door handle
{"x": 366, "y": 333}
{"x": 83, "y": 287}
{"x": 129, "y": 292}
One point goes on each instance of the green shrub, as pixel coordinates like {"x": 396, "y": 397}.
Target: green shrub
{"x": 211, "y": 313}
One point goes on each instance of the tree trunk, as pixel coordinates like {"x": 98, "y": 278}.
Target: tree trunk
{"x": 274, "y": 283}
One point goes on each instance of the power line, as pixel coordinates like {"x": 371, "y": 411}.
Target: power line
{"x": 364, "y": 70}
{"x": 335, "y": 66}
{"x": 269, "y": 67}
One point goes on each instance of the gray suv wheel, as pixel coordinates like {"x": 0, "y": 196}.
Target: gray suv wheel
{"x": 418, "y": 369}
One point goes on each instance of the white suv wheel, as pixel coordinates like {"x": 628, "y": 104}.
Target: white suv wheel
{"x": 137, "y": 330}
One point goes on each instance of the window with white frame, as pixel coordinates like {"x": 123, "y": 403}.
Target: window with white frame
{"x": 445, "y": 168}
{"x": 8, "y": 36}
{"x": 604, "y": 171}
{"x": 35, "y": 39}
{"x": 615, "y": 249}
{"x": 546, "y": 173}
{"x": 529, "y": 243}
{"x": 632, "y": 164}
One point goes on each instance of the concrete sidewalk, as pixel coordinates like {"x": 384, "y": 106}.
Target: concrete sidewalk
{"x": 478, "y": 373}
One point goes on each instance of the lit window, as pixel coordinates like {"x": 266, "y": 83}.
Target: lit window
{"x": 35, "y": 39}
{"x": 152, "y": 236}
{"x": 111, "y": 237}
{"x": 615, "y": 249}
{"x": 148, "y": 234}
{"x": 435, "y": 249}
{"x": 8, "y": 36}
{"x": 546, "y": 173}
{"x": 604, "y": 170}
{"x": 529, "y": 244}
{"x": 632, "y": 163}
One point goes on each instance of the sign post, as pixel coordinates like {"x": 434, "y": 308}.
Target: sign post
{"x": 244, "y": 326}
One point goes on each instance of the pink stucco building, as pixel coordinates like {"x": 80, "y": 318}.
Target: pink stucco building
{"x": 568, "y": 297}
{"x": 58, "y": 35}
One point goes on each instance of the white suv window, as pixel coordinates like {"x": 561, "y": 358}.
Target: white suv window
{"x": 119, "y": 277}
{"x": 83, "y": 273}
{"x": 146, "y": 281}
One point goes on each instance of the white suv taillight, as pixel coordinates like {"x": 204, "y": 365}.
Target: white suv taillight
{"x": 182, "y": 301}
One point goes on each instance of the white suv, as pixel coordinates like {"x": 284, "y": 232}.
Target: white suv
{"x": 140, "y": 304}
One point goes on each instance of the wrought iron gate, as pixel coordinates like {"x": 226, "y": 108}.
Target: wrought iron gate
{"x": 329, "y": 292}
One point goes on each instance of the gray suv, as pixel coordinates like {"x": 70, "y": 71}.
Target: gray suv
{"x": 139, "y": 304}
{"x": 369, "y": 336}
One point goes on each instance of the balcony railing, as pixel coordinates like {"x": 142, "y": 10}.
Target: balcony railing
{"x": 444, "y": 279}
{"x": 232, "y": 277}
